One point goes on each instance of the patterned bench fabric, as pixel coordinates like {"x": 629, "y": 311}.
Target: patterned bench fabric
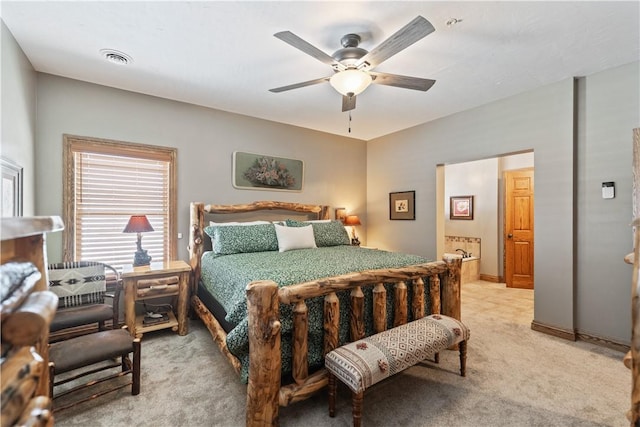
{"x": 78, "y": 283}
{"x": 365, "y": 362}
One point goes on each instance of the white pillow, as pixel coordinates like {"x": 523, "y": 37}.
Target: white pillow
{"x": 295, "y": 237}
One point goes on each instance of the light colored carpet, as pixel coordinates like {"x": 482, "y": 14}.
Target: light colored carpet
{"x": 515, "y": 377}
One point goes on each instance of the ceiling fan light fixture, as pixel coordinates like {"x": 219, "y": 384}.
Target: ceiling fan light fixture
{"x": 350, "y": 82}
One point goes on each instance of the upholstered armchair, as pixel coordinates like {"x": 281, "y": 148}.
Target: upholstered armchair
{"x": 81, "y": 287}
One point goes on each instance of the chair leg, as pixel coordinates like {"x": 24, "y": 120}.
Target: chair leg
{"x": 137, "y": 350}
{"x": 463, "y": 358}
{"x": 357, "y": 408}
{"x": 332, "y": 394}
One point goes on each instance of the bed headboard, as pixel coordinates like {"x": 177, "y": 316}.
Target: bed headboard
{"x": 200, "y": 214}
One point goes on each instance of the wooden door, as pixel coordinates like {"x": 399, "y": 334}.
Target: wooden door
{"x": 518, "y": 228}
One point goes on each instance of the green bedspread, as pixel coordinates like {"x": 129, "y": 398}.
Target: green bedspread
{"x": 226, "y": 278}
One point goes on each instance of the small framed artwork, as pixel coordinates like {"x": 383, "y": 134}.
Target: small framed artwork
{"x": 402, "y": 205}
{"x": 11, "y": 188}
{"x": 341, "y": 214}
{"x": 461, "y": 207}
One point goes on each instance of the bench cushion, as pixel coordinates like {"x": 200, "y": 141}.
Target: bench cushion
{"x": 365, "y": 362}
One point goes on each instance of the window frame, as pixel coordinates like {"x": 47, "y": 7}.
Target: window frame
{"x": 74, "y": 143}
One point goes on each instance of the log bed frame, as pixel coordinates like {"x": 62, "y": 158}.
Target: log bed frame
{"x": 265, "y": 393}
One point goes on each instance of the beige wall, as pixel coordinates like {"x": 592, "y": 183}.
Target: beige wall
{"x": 18, "y": 112}
{"x": 335, "y": 167}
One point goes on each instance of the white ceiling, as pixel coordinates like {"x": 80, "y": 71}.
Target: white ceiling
{"x": 223, "y": 54}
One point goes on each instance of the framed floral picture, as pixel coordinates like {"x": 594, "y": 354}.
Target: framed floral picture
{"x": 461, "y": 207}
{"x": 402, "y": 205}
{"x": 263, "y": 172}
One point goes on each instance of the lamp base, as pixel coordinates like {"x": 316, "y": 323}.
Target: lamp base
{"x": 141, "y": 258}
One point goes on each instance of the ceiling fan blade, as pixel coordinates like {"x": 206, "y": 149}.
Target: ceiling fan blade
{"x": 348, "y": 103}
{"x": 309, "y": 49}
{"x": 402, "y": 39}
{"x": 415, "y": 83}
{"x": 299, "y": 85}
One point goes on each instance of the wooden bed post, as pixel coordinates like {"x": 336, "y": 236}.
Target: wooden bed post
{"x": 400, "y": 307}
{"x": 196, "y": 218}
{"x": 265, "y": 358}
{"x": 379, "y": 308}
{"x": 451, "y": 292}
{"x": 331, "y": 322}
{"x": 434, "y": 293}
{"x": 417, "y": 301}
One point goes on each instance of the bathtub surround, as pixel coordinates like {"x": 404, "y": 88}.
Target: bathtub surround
{"x": 469, "y": 248}
{"x": 471, "y": 245}
{"x": 470, "y": 269}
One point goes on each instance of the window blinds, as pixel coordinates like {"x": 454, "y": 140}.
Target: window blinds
{"x": 109, "y": 188}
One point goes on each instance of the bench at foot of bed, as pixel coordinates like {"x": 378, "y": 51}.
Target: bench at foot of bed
{"x": 365, "y": 362}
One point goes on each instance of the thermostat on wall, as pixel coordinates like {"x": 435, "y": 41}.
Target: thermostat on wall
{"x": 608, "y": 190}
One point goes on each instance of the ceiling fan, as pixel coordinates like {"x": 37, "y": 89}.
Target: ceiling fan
{"x": 353, "y": 65}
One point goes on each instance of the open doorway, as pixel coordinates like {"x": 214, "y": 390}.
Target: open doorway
{"x": 486, "y": 235}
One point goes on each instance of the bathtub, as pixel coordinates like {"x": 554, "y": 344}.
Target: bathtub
{"x": 470, "y": 270}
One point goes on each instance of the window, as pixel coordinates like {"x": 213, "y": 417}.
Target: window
{"x": 105, "y": 182}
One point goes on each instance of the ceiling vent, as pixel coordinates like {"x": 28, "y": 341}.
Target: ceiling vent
{"x": 116, "y": 56}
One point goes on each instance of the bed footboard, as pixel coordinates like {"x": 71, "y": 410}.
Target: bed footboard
{"x": 265, "y": 393}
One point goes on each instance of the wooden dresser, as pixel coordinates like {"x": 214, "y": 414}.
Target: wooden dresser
{"x": 27, "y": 309}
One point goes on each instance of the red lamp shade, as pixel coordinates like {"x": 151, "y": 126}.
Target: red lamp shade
{"x": 352, "y": 220}
{"x": 138, "y": 224}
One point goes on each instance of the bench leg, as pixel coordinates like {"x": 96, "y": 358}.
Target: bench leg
{"x": 357, "y": 408}
{"x": 463, "y": 358}
{"x": 332, "y": 394}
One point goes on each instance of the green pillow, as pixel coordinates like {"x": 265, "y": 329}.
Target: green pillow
{"x": 233, "y": 239}
{"x": 330, "y": 233}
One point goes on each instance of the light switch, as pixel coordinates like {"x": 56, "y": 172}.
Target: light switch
{"x": 608, "y": 190}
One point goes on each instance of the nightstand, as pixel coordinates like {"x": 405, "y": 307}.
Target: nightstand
{"x": 158, "y": 280}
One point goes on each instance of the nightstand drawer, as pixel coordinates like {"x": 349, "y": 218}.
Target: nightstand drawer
{"x": 158, "y": 287}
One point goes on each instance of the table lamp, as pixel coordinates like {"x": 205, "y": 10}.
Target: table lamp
{"x": 352, "y": 221}
{"x": 139, "y": 224}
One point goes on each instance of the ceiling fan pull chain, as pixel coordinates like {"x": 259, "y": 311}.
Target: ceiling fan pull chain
{"x": 349, "y": 121}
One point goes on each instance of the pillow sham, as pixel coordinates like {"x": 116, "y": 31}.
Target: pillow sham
{"x": 233, "y": 239}
{"x": 331, "y": 233}
{"x": 290, "y": 238}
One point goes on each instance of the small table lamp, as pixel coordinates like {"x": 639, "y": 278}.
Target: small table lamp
{"x": 353, "y": 220}
{"x": 139, "y": 224}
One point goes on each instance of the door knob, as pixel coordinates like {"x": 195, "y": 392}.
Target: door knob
{"x": 509, "y": 235}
